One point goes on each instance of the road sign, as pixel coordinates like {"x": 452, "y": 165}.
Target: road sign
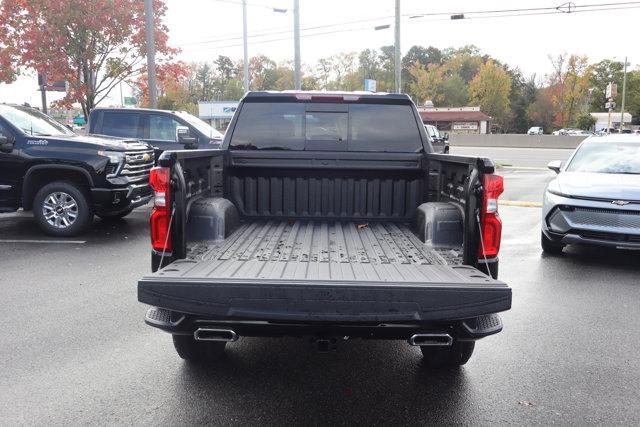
{"x": 370, "y": 85}
{"x": 612, "y": 90}
{"x": 610, "y": 105}
{"x": 130, "y": 100}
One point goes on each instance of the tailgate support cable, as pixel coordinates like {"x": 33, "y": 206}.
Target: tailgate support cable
{"x": 166, "y": 240}
{"x": 486, "y": 261}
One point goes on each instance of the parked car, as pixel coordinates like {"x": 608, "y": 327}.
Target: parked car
{"x": 164, "y": 130}
{"x": 573, "y": 132}
{"x": 580, "y": 132}
{"x": 65, "y": 178}
{"x": 329, "y": 216}
{"x": 439, "y": 141}
{"x": 535, "y": 130}
{"x": 562, "y": 131}
{"x": 595, "y": 199}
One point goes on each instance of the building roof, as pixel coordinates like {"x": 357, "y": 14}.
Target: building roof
{"x": 463, "y": 114}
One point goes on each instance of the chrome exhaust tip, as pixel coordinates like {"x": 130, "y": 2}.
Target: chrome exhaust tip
{"x": 211, "y": 334}
{"x": 431, "y": 340}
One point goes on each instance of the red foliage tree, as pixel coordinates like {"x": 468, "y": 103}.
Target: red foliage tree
{"x": 91, "y": 44}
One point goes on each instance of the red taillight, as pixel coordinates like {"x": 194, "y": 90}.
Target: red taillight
{"x": 490, "y": 223}
{"x": 160, "y": 222}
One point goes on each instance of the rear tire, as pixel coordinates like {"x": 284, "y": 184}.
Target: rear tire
{"x": 198, "y": 351}
{"x": 112, "y": 216}
{"x": 62, "y": 209}
{"x": 550, "y": 247}
{"x": 448, "y": 357}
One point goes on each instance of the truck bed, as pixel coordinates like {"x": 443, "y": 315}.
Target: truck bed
{"x": 313, "y": 250}
{"x": 318, "y": 270}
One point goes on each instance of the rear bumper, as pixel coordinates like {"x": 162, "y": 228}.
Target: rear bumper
{"x": 184, "y": 324}
{"x": 311, "y": 302}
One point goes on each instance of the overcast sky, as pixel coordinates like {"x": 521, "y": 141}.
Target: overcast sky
{"x": 204, "y": 29}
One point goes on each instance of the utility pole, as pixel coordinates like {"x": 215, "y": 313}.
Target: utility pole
{"x": 398, "y": 66}
{"x": 151, "y": 53}
{"x": 42, "y": 80}
{"x": 245, "y": 65}
{"x": 296, "y": 44}
{"x": 624, "y": 94}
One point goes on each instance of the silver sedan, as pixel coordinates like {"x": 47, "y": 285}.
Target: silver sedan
{"x": 595, "y": 199}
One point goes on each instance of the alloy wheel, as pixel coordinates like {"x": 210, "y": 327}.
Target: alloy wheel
{"x": 60, "y": 209}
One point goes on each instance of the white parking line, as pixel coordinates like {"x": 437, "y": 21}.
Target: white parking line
{"x": 73, "y": 242}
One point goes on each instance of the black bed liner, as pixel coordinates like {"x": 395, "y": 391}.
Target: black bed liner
{"x": 325, "y": 271}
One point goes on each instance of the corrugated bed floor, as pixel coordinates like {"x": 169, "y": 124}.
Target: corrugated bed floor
{"x": 315, "y": 250}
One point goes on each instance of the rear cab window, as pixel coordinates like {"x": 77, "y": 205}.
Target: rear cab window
{"x": 326, "y": 126}
{"x": 125, "y": 125}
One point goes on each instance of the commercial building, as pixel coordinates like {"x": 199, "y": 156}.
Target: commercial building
{"x": 217, "y": 113}
{"x": 458, "y": 120}
{"x": 602, "y": 120}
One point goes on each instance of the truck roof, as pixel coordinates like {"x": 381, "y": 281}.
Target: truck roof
{"x": 333, "y": 96}
{"x": 135, "y": 109}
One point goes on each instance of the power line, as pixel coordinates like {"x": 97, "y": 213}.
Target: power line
{"x": 502, "y": 13}
{"x": 250, "y": 4}
{"x": 526, "y": 9}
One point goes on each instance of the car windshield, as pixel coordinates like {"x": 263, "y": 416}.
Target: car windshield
{"x": 201, "y": 125}
{"x": 607, "y": 157}
{"x": 33, "y": 122}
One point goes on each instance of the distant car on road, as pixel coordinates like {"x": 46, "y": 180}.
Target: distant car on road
{"x": 595, "y": 199}
{"x": 164, "y": 130}
{"x": 535, "y": 130}
{"x": 440, "y": 141}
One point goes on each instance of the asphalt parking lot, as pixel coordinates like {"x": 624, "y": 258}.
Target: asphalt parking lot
{"x": 75, "y": 349}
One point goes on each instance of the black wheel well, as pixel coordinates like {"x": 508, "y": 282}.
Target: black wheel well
{"x": 38, "y": 178}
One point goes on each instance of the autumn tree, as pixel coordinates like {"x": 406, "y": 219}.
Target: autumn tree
{"x": 633, "y": 94}
{"x": 425, "y": 56}
{"x": 490, "y": 89}
{"x": 427, "y": 83}
{"x": 542, "y": 111}
{"x": 524, "y": 91}
{"x": 600, "y": 75}
{"x": 91, "y": 44}
{"x": 569, "y": 84}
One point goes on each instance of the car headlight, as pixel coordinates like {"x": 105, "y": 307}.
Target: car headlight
{"x": 116, "y": 160}
{"x": 115, "y": 157}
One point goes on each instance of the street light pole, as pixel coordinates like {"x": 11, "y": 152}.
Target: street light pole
{"x": 151, "y": 53}
{"x": 296, "y": 44}
{"x": 624, "y": 94}
{"x": 245, "y": 65}
{"x": 398, "y": 67}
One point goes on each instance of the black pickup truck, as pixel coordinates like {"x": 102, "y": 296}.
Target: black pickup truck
{"x": 326, "y": 216}
{"x": 66, "y": 178}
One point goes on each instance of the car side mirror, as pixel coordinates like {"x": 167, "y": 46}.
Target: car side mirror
{"x": 445, "y": 149}
{"x": 184, "y": 136}
{"x": 555, "y": 165}
{"x": 6, "y": 144}
{"x": 446, "y": 137}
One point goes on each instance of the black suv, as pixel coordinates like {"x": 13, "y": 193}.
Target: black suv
{"x": 65, "y": 178}
{"x": 164, "y": 130}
